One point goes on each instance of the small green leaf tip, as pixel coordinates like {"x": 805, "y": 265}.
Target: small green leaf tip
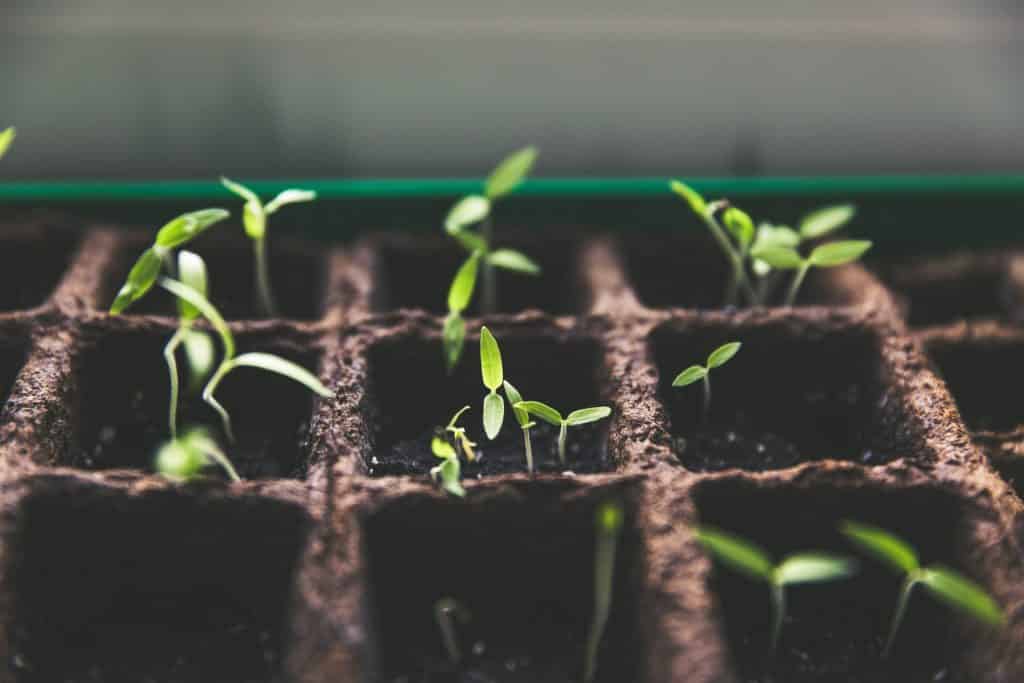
{"x": 466, "y": 212}
{"x": 723, "y": 354}
{"x": 692, "y": 374}
{"x": 508, "y": 175}
{"x": 737, "y": 553}
{"x": 441, "y": 448}
{"x": 883, "y": 545}
{"x": 838, "y": 253}
{"x": 461, "y": 291}
{"x": 691, "y": 196}
{"x": 587, "y": 415}
{"x": 779, "y": 257}
{"x": 6, "y": 138}
{"x": 140, "y": 280}
{"x": 609, "y": 517}
{"x": 541, "y": 410}
{"x": 187, "y": 227}
{"x": 961, "y": 593}
{"x": 740, "y": 225}
{"x": 490, "y": 360}
{"x": 825, "y": 220}
{"x": 513, "y": 260}
{"x": 813, "y": 568}
{"x": 494, "y": 415}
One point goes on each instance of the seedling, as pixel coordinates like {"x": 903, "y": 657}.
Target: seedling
{"x": 184, "y": 458}
{"x": 472, "y": 210}
{"x": 748, "y": 559}
{"x": 574, "y": 419}
{"x": 943, "y": 583}
{"x": 608, "y": 525}
{"x": 447, "y": 611}
{"x": 717, "y": 358}
{"x": 449, "y": 472}
{"x": 825, "y": 256}
{"x": 6, "y": 138}
{"x": 493, "y": 376}
{"x": 254, "y": 219}
{"x": 525, "y": 423}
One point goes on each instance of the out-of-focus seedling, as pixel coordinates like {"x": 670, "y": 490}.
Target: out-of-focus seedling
{"x": 6, "y": 138}
{"x": 472, "y": 210}
{"x": 493, "y": 376}
{"x": 717, "y": 358}
{"x": 943, "y": 583}
{"x": 608, "y": 526}
{"x": 254, "y": 219}
{"x": 184, "y": 458}
{"x": 827, "y": 255}
{"x": 525, "y": 423}
{"x": 574, "y": 419}
{"x": 750, "y": 560}
{"x": 448, "y": 611}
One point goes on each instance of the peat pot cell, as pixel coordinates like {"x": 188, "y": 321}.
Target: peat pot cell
{"x": 297, "y": 276}
{"x": 418, "y": 274}
{"x": 32, "y": 266}
{"x": 411, "y": 396}
{"x": 835, "y": 631}
{"x": 782, "y": 400}
{"x": 12, "y": 358}
{"x": 110, "y": 588}
{"x": 123, "y": 395}
{"x": 522, "y": 570}
{"x": 685, "y": 271}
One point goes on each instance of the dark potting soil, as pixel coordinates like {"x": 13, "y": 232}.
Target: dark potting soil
{"x": 586, "y": 453}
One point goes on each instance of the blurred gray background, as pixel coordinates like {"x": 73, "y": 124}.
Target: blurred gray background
{"x": 192, "y": 89}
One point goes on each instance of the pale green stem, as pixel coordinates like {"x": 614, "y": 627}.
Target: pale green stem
{"x": 529, "y": 449}
{"x": 901, "y": 608}
{"x": 264, "y": 292}
{"x": 798, "y": 279}
{"x": 489, "y": 277}
{"x": 211, "y": 387}
{"x": 707, "y": 396}
{"x": 172, "y": 370}
{"x": 604, "y": 573}
{"x": 778, "y": 613}
{"x": 561, "y": 441}
{"x": 739, "y": 275}
{"x": 444, "y": 612}
{"x": 221, "y": 459}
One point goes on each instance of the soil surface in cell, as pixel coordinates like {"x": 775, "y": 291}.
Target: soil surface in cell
{"x": 586, "y": 453}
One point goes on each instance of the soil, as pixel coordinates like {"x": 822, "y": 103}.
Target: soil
{"x": 33, "y": 260}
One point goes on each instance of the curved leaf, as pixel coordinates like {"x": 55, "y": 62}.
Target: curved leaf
{"x": 141, "y": 279}
{"x": 781, "y": 258}
{"x": 283, "y": 367}
{"x": 691, "y": 196}
{"x": 6, "y": 138}
{"x": 825, "y": 220}
{"x": 441, "y": 448}
{"x": 514, "y": 397}
{"x": 191, "y": 272}
{"x": 455, "y": 418}
{"x": 490, "y": 360}
{"x": 738, "y": 223}
{"x": 240, "y": 190}
{"x": 461, "y": 291}
{"x": 587, "y": 415}
{"x": 494, "y": 415}
{"x": 838, "y": 253}
{"x": 450, "y": 472}
{"x": 206, "y": 308}
{"x": 453, "y": 337}
{"x": 466, "y": 212}
{"x": 813, "y": 568}
{"x": 692, "y": 374}
{"x": 737, "y": 553}
{"x": 188, "y": 226}
{"x": 963, "y": 594}
{"x": 723, "y": 354}
{"x": 510, "y": 173}
{"x": 541, "y": 410}
{"x": 289, "y": 197}
{"x": 769, "y": 235}
{"x": 510, "y": 259}
{"x": 883, "y": 545}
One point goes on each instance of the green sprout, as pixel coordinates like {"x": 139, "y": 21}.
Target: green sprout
{"x": 493, "y": 376}
{"x": 826, "y": 255}
{"x": 6, "y": 138}
{"x": 523, "y": 418}
{"x": 254, "y": 219}
{"x": 183, "y": 458}
{"x": 449, "y": 472}
{"x": 574, "y": 419}
{"x": 467, "y": 212}
{"x": 943, "y": 583}
{"x": 608, "y": 525}
{"x": 750, "y": 560}
{"x": 446, "y": 612}
{"x": 717, "y": 358}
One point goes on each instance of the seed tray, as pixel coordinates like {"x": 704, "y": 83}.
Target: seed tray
{"x": 323, "y": 566}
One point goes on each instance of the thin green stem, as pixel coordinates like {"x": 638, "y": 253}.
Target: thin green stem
{"x": 561, "y": 441}
{"x": 489, "y": 277}
{"x": 444, "y": 613}
{"x": 604, "y": 573}
{"x": 707, "y": 396}
{"x": 264, "y": 293}
{"x": 529, "y": 449}
{"x": 739, "y": 275}
{"x": 221, "y": 458}
{"x": 798, "y": 279}
{"x": 778, "y": 613}
{"x": 211, "y": 387}
{"x": 901, "y": 609}
{"x": 172, "y": 371}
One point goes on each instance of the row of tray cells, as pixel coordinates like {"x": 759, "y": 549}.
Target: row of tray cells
{"x": 173, "y": 587}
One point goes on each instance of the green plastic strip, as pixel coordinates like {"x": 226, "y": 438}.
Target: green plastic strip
{"x": 597, "y": 188}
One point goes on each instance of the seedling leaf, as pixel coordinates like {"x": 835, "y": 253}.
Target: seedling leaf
{"x": 466, "y": 212}
{"x": 587, "y": 415}
{"x": 543, "y": 411}
{"x": 883, "y": 545}
{"x": 442, "y": 448}
{"x": 769, "y": 235}
{"x": 490, "y": 361}
{"x": 723, "y": 354}
{"x": 284, "y": 367}
{"x": 514, "y": 397}
{"x": 510, "y": 259}
{"x": 741, "y": 555}
{"x": 453, "y": 336}
{"x": 838, "y": 253}
{"x": 510, "y": 173}
{"x": 450, "y": 472}
{"x": 461, "y": 292}
{"x": 813, "y": 567}
{"x": 191, "y": 272}
{"x": 494, "y": 415}
{"x": 187, "y": 227}
{"x": 6, "y": 138}
{"x": 140, "y": 280}
{"x": 962, "y": 593}
{"x": 692, "y": 197}
{"x": 289, "y": 197}
{"x": 781, "y": 258}
{"x": 201, "y": 355}
{"x": 823, "y": 221}
{"x": 692, "y": 374}
{"x": 206, "y": 308}
{"x": 738, "y": 223}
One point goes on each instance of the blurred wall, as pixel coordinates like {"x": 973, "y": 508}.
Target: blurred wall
{"x": 116, "y": 88}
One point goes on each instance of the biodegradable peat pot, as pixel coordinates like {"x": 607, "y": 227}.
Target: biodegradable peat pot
{"x": 324, "y": 565}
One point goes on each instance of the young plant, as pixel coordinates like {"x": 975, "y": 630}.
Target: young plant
{"x": 523, "y": 418}
{"x": 493, "y": 376}
{"x": 446, "y": 612}
{"x": 254, "y": 219}
{"x": 449, "y": 472}
{"x": 943, "y": 583}
{"x": 184, "y": 458}
{"x": 574, "y": 419}
{"x": 748, "y": 559}
{"x": 717, "y": 358}
{"x": 472, "y": 210}
{"x": 609, "y": 524}
{"x": 6, "y": 138}
{"x": 826, "y": 255}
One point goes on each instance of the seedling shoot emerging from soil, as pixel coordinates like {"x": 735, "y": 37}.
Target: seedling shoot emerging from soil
{"x": 446, "y": 612}
{"x": 574, "y": 419}
{"x": 467, "y": 212}
{"x": 525, "y": 423}
{"x": 943, "y": 583}
{"x": 608, "y": 526}
{"x": 254, "y": 218}
{"x": 748, "y": 559}
{"x": 825, "y": 256}
{"x": 185, "y": 457}
{"x": 449, "y": 472}
{"x": 6, "y": 138}
{"x": 717, "y": 358}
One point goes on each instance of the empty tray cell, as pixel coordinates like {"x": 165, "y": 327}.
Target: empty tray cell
{"x": 297, "y": 274}
{"x": 32, "y": 259}
{"x": 835, "y": 631}
{"x": 411, "y": 396}
{"x": 686, "y": 271}
{"x": 411, "y": 273}
{"x": 154, "y": 587}
{"x": 790, "y": 395}
{"x": 123, "y": 397}
{"x": 521, "y": 568}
